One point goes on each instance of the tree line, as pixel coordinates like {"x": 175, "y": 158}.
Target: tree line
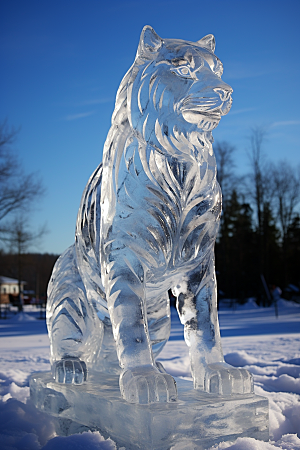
{"x": 258, "y": 246}
{"x": 36, "y": 271}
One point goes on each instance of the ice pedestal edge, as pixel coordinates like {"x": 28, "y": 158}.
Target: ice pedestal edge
{"x": 195, "y": 422}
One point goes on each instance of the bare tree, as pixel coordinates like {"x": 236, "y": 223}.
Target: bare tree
{"x": 286, "y": 181}
{"x": 260, "y": 188}
{"x": 18, "y": 191}
{"x": 226, "y": 164}
{"x": 286, "y": 195}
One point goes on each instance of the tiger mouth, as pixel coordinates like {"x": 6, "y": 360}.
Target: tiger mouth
{"x": 206, "y": 120}
{"x": 213, "y": 115}
{"x": 210, "y": 108}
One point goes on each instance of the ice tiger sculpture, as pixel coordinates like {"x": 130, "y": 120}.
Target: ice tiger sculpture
{"x": 147, "y": 223}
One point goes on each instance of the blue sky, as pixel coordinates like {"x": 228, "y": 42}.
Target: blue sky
{"x": 62, "y": 62}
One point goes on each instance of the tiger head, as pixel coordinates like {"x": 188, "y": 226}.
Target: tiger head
{"x": 173, "y": 93}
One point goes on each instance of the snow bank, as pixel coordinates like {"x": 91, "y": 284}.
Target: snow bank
{"x": 86, "y": 440}
{"x": 284, "y": 383}
{"x": 23, "y": 427}
{"x": 288, "y": 442}
{"x": 17, "y": 392}
{"x": 250, "y": 304}
{"x": 241, "y": 359}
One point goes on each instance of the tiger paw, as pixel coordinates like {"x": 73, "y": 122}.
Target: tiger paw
{"x": 221, "y": 378}
{"x": 146, "y": 384}
{"x": 69, "y": 371}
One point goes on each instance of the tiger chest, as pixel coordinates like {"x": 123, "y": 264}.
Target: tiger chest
{"x": 164, "y": 236}
{"x": 165, "y": 211}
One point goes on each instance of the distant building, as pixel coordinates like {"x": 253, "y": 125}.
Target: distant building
{"x": 9, "y": 286}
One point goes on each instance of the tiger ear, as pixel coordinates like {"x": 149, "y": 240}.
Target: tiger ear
{"x": 150, "y": 42}
{"x": 208, "y": 42}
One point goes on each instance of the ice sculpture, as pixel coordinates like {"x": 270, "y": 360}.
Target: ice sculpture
{"x": 147, "y": 223}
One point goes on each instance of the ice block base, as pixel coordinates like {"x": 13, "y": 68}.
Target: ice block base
{"x": 195, "y": 422}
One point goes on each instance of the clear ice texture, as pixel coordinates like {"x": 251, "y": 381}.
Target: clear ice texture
{"x": 147, "y": 224}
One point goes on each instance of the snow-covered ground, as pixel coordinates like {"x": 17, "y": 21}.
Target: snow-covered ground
{"x": 252, "y": 338}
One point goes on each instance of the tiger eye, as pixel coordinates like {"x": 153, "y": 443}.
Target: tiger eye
{"x": 184, "y": 70}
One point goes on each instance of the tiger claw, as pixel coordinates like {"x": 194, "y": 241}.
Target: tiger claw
{"x": 146, "y": 385}
{"x": 221, "y": 378}
{"x": 69, "y": 371}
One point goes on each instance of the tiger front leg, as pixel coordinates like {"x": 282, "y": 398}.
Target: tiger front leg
{"x": 197, "y": 308}
{"x": 141, "y": 380}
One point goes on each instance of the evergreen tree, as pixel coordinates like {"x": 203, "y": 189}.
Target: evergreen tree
{"x": 292, "y": 244}
{"x": 234, "y": 249}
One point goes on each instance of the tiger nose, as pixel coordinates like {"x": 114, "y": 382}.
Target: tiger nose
{"x": 224, "y": 92}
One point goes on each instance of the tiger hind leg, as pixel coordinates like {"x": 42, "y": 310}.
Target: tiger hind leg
{"x": 75, "y": 330}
